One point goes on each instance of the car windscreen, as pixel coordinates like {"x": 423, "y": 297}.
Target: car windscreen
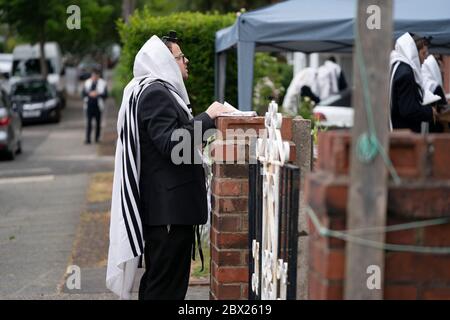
{"x": 32, "y": 88}
{"x": 30, "y": 67}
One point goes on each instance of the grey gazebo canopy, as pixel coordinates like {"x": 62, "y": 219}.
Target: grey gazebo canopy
{"x": 316, "y": 26}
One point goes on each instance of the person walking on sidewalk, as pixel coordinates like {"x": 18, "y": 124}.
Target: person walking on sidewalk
{"x": 156, "y": 200}
{"x": 94, "y": 94}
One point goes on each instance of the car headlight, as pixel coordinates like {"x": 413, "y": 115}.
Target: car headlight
{"x": 51, "y": 103}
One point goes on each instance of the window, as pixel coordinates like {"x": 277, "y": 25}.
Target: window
{"x": 32, "y": 88}
{"x": 30, "y": 67}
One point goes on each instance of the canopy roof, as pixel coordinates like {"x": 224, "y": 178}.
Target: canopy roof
{"x": 327, "y": 25}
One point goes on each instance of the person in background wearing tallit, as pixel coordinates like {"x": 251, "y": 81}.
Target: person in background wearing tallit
{"x": 94, "y": 94}
{"x": 339, "y": 83}
{"x": 432, "y": 77}
{"x": 316, "y": 83}
{"x": 304, "y": 84}
{"x": 432, "y": 72}
{"x": 157, "y": 203}
{"x": 411, "y": 102}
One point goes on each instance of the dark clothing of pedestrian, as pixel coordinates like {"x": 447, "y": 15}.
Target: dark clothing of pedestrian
{"x": 166, "y": 187}
{"x": 93, "y": 111}
{"x": 172, "y": 196}
{"x": 168, "y": 262}
{"x": 407, "y": 110}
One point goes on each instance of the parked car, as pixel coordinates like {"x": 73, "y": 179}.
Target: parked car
{"x": 26, "y": 63}
{"x": 36, "y": 100}
{"x": 10, "y": 128}
{"x": 335, "y": 111}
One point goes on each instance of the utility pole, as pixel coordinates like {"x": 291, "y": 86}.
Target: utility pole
{"x": 367, "y": 200}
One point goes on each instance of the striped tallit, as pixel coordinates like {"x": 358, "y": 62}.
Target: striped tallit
{"x": 154, "y": 62}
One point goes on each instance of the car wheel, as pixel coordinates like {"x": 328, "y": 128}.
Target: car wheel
{"x": 10, "y": 155}
{"x": 57, "y": 116}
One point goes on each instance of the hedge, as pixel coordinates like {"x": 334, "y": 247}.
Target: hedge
{"x": 197, "y": 34}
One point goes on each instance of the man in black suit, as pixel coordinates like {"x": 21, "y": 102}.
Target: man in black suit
{"x": 172, "y": 196}
{"x": 407, "y": 109}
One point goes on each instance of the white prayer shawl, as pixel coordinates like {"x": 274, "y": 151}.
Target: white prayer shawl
{"x": 406, "y": 51}
{"x": 333, "y": 72}
{"x": 326, "y": 82}
{"x": 100, "y": 88}
{"x": 153, "y": 62}
{"x": 431, "y": 73}
{"x": 305, "y": 77}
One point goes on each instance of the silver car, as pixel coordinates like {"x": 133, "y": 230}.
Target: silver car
{"x": 10, "y": 128}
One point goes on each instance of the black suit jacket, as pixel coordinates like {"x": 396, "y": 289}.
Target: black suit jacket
{"x": 407, "y": 111}
{"x": 169, "y": 193}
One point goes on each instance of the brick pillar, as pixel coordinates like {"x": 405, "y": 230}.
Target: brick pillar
{"x": 446, "y": 75}
{"x": 423, "y": 165}
{"x": 229, "y": 223}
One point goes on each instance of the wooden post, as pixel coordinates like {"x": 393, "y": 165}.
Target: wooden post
{"x": 368, "y": 190}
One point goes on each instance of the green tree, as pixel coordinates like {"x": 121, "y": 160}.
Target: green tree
{"x": 98, "y": 29}
{"x": 224, "y": 5}
{"x": 31, "y": 20}
{"x": 39, "y": 21}
{"x": 164, "y": 7}
{"x": 160, "y": 7}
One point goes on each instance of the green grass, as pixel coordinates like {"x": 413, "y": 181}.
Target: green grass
{"x": 196, "y": 265}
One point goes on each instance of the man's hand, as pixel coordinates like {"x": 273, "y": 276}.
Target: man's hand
{"x": 93, "y": 94}
{"x": 216, "y": 108}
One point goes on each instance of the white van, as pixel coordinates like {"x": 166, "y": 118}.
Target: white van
{"x": 26, "y": 62}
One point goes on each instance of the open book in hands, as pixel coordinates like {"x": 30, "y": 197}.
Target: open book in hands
{"x": 237, "y": 113}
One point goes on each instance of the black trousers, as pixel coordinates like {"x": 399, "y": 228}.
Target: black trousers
{"x": 93, "y": 113}
{"x": 167, "y": 262}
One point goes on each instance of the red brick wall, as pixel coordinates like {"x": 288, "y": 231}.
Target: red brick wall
{"x": 229, "y": 223}
{"x": 423, "y": 164}
{"x": 447, "y": 74}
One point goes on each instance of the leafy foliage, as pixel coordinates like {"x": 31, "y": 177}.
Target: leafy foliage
{"x": 45, "y": 20}
{"x": 272, "y": 76}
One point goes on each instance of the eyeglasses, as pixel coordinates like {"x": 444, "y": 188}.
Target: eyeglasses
{"x": 181, "y": 56}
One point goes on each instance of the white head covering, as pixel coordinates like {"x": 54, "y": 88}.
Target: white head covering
{"x": 431, "y": 73}
{"x": 406, "y": 51}
{"x": 153, "y": 62}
